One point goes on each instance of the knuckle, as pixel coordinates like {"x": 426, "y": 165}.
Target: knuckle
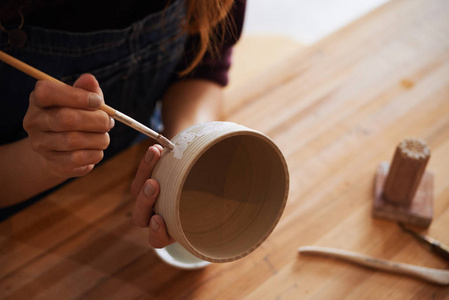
{"x": 78, "y": 158}
{"x": 66, "y": 119}
{"x": 72, "y": 140}
{"x": 84, "y": 158}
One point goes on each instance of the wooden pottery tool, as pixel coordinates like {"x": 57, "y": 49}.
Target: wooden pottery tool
{"x": 403, "y": 191}
{"x": 121, "y": 117}
{"x": 429, "y": 274}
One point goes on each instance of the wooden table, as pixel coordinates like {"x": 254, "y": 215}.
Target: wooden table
{"x": 336, "y": 109}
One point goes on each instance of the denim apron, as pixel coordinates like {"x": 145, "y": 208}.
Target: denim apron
{"x": 134, "y": 67}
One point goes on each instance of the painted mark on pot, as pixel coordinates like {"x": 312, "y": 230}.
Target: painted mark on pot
{"x": 186, "y": 137}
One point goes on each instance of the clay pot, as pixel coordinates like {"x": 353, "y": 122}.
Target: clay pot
{"x": 222, "y": 190}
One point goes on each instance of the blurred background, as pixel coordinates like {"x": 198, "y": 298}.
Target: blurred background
{"x": 305, "y": 21}
{"x": 276, "y": 29}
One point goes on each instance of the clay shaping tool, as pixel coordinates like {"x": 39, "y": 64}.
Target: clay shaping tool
{"x": 39, "y": 75}
{"x": 430, "y": 243}
{"x": 431, "y": 275}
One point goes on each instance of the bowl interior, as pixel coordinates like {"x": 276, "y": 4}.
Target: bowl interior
{"x": 233, "y": 197}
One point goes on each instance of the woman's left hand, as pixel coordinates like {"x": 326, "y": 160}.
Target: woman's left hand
{"x": 146, "y": 192}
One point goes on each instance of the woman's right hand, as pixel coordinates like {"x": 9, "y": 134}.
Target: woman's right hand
{"x": 65, "y": 126}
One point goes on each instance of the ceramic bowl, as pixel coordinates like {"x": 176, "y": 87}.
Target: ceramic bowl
{"x": 222, "y": 190}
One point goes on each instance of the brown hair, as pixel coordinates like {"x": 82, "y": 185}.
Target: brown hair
{"x": 205, "y": 18}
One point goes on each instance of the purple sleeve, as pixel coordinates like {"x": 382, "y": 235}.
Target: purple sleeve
{"x": 215, "y": 67}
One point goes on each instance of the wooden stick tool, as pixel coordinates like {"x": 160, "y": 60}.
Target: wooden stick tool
{"x": 39, "y": 75}
{"x": 429, "y": 274}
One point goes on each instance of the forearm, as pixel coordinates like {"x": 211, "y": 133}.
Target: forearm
{"x": 190, "y": 102}
{"x": 23, "y": 173}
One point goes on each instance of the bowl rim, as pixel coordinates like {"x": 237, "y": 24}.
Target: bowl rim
{"x": 234, "y": 132}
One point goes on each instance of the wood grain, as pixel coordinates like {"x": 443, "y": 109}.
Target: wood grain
{"x": 336, "y": 110}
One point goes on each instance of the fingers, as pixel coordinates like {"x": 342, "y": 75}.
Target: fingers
{"x": 69, "y": 141}
{"x": 145, "y": 168}
{"x": 157, "y": 233}
{"x": 73, "y": 163}
{"x": 65, "y": 126}
{"x": 59, "y": 107}
{"x": 67, "y": 119}
{"x": 49, "y": 94}
{"x": 85, "y": 93}
{"x": 143, "y": 209}
{"x": 144, "y": 216}
{"x": 146, "y": 192}
{"x": 88, "y": 82}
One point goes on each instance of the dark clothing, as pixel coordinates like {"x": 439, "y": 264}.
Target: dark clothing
{"x": 134, "y": 48}
{"x": 134, "y": 65}
{"x": 83, "y": 16}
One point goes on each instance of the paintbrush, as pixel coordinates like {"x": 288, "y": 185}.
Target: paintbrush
{"x": 39, "y": 75}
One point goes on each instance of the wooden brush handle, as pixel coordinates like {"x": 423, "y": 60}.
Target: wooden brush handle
{"x": 20, "y": 65}
{"x": 428, "y": 274}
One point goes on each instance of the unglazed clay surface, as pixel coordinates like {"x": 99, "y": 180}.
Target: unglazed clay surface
{"x": 223, "y": 190}
{"x": 227, "y": 204}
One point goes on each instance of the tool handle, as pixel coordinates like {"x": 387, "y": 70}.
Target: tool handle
{"x": 428, "y": 274}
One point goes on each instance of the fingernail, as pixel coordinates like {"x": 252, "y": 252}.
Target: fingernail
{"x": 149, "y": 156}
{"x": 94, "y": 100}
{"x": 154, "y": 225}
{"x": 112, "y": 122}
{"x": 148, "y": 189}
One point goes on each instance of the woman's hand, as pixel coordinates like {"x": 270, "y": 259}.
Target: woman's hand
{"x": 186, "y": 102}
{"x": 66, "y": 127}
{"x": 146, "y": 192}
